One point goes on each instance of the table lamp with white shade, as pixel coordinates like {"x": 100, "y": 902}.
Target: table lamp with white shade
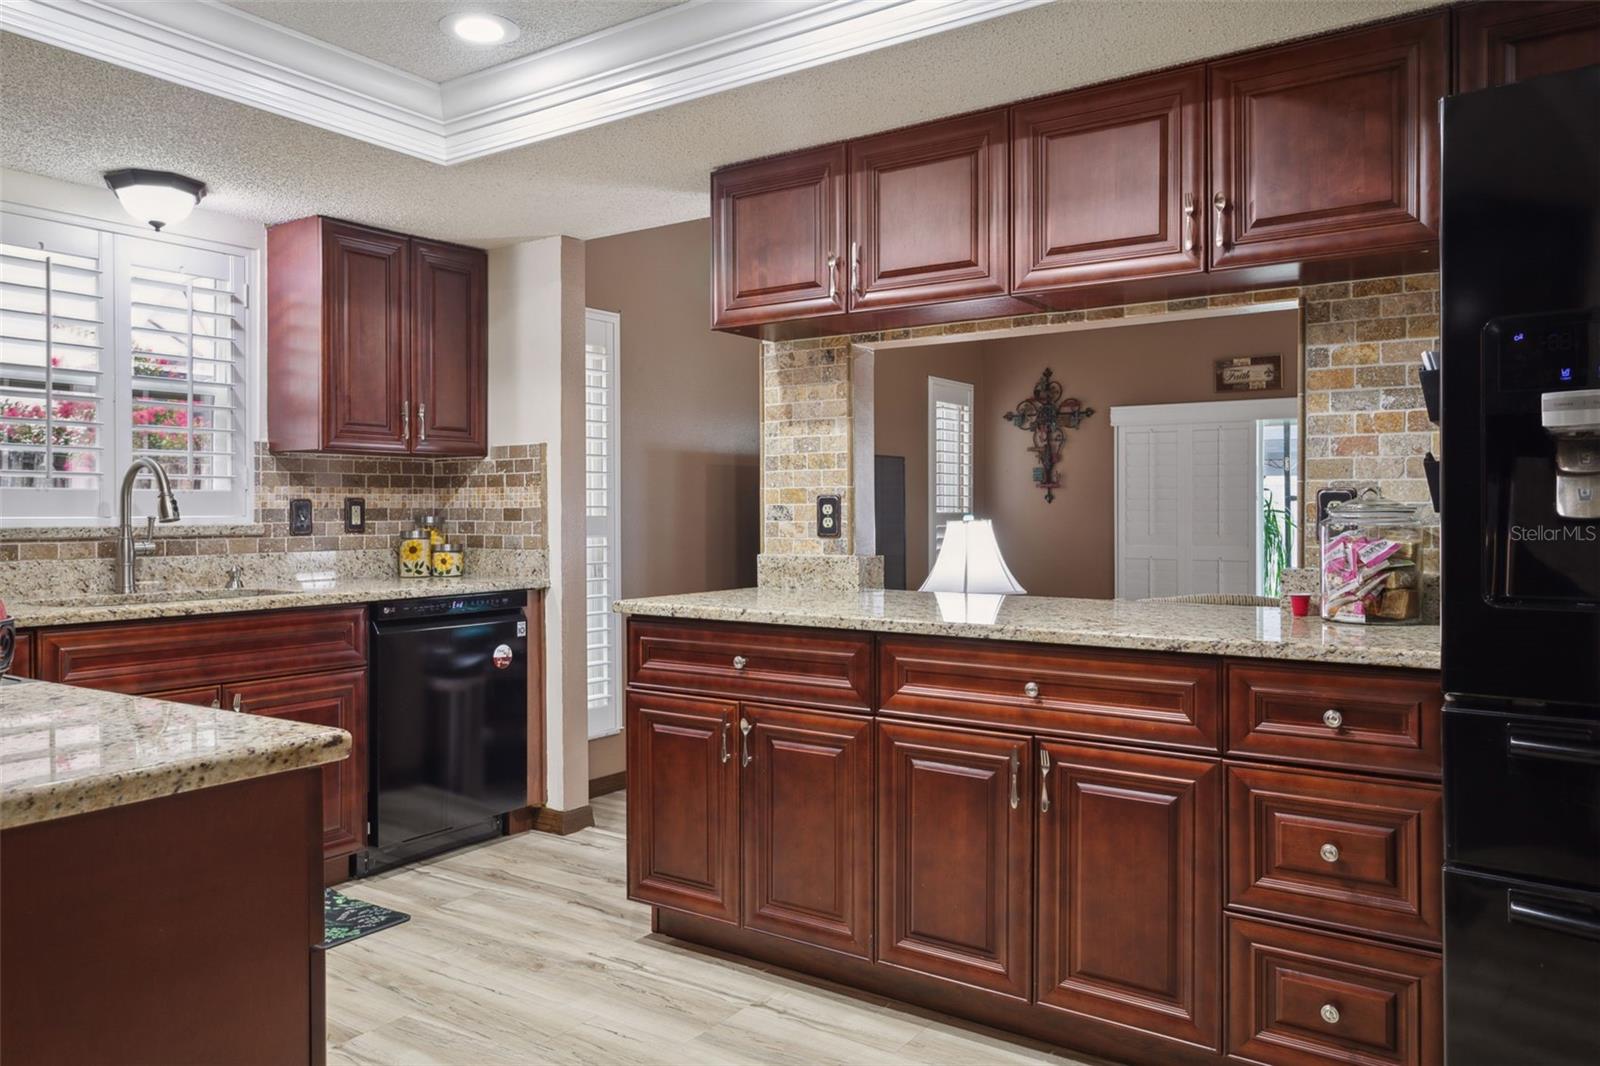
{"x": 970, "y": 579}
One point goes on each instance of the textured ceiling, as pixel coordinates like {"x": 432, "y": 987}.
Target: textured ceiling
{"x": 70, "y": 117}
{"x": 405, "y": 33}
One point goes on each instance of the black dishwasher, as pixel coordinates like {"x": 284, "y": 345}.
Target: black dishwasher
{"x": 447, "y": 726}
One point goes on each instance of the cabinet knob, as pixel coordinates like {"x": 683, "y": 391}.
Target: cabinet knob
{"x": 1330, "y": 1013}
{"x": 740, "y": 662}
{"x": 1329, "y": 852}
{"x": 1332, "y": 718}
{"x": 1031, "y": 690}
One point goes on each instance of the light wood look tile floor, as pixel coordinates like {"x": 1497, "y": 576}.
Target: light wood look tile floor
{"x": 526, "y": 950}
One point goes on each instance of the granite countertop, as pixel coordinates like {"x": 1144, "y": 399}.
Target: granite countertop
{"x": 86, "y": 608}
{"x": 66, "y": 750}
{"x": 1146, "y": 625}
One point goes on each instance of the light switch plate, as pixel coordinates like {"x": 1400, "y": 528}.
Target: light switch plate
{"x": 829, "y": 516}
{"x": 355, "y": 514}
{"x": 299, "y": 518}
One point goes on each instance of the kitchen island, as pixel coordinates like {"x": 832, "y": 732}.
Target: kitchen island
{"x": 160, "y": 880}
{"x": 1153, "y": 831}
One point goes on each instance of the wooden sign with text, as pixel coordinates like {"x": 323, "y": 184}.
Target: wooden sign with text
{"x": 1250, "y": 373}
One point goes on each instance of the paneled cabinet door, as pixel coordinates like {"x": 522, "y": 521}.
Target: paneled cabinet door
{"x": 778, "y": 238}
{"x": 929, "y": 213}
{"x": 808, "y": 826}
{"x": 955, "y": 855}
{"x": 199, "y": 695}
{"x": 1501, "y": 43}
{"x": 1329, "y": 147}
{"x": 1130, "y": 889}
{"x": 450, "y": 349}
{"x": 683, "y": 804}
{"x": 335, "y": 699}
{"x": 1109, "y": 183}
{"x": 365, "y": 297}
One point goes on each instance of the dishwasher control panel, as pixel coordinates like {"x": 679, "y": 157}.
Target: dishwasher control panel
{"x": 437, "y": 606}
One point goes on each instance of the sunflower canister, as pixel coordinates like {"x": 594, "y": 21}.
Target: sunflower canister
{"x": 447, "y": 560}
{"x": 414, "y": 554}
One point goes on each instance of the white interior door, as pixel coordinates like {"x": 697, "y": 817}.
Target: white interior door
{"x": 1188, "y": 488}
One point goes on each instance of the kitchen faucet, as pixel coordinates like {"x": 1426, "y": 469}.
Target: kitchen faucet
{"x": 129, "y": 549}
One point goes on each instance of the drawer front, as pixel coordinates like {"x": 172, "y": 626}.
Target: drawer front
{"x": 757, "y": 662}
{"x": 155, "y": 656}
{"x": 1352, "y": 718}
{"x": 1298, "y": 998}
{"x": 1352, "y": 852}
{"x": 1166, "y": 700}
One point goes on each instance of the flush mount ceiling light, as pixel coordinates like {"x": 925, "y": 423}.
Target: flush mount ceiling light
{"x": 475, "y": 27}
{"x": 156, "y": 197}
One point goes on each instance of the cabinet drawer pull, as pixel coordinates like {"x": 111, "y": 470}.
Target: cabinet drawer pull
{"x": 740, "y": 662}
{"x": 833, "y": 277}
{"x": 405, "y": 420}
{"x": 1220, "y": 203}
{"x": 1329, "y": 852}
{"x": 855, "y": 267}
{"x": 744, "y": 740}
{"x": 216, "y": 703}
{"x": 1044, "y": 781}
{"x": 1332, "y": 718}
{"x": 238, "y": 702}
{"x": 422, "y": 423}
{"x": 1031, "y": 690}
{"x": 1330, "y": 1013}
{"x": 726, "y": 755}
{"x": 1188, "y": 221}
{"x": 1016, "y": 796}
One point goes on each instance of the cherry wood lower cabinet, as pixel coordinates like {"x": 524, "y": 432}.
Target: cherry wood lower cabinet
{"x": 955, "y": 855}
{"x": 1061, "y": 842}
{"x": 1129, "y": 889}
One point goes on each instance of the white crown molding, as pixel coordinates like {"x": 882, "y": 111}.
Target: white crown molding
{"x": 675, "y": 55}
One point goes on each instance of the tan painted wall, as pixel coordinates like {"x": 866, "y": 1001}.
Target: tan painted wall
{"x": 690, "y": 424}
{"x": 1064, "y": 548}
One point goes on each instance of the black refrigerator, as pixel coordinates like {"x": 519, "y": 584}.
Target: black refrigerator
{"x": 1520, "y": 261}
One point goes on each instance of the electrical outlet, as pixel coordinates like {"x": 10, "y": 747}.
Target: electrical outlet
{"x": 299, "y": 518}
{"x": 828, "y": 516}
{"x": 1326, "y": 497}
{"x": 355, "y": 514}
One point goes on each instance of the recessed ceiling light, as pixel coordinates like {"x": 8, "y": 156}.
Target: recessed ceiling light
{"x": 475, "y": 27}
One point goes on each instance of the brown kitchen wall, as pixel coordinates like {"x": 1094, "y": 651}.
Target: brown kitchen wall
{"x": 1064, "y": 548}
{"x": 690, "y": 431}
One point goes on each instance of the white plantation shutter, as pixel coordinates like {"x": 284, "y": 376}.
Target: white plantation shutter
{"x": 184, "y": 350}
{"x": 949, "y": 456}
{"x": 602, "y": 541}
{"x": 112, "y": 347}
{"x": 54, "y": 377}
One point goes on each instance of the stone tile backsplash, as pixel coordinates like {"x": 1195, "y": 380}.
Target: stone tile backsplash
{"x": 1365, "y": 422}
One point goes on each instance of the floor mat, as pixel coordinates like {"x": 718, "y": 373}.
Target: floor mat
{"x": 345, "y": 919}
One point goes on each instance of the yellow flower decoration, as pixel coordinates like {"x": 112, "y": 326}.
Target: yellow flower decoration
{"x": 411, "y": 550}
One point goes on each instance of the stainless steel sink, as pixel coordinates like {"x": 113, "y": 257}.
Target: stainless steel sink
{"x": 118, "y": 599}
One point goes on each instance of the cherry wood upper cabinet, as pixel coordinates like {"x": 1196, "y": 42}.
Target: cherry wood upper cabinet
{"x": 955, "y": 855}
{"x": 1130, "y": 877}
{"x": 929, "y": 213}
{"x": 683, "y": 804}
{"x": 450, "y": 348}
{"x": 1501, "y": 43}
{"x": 808, "y": 826}
{"x": 1109, "y": 183}
{"x": 348, "y": 309}
{"x": 778, "y": 238}
{"x": 1329, "y": 147}
{"x": 338, "y": 700}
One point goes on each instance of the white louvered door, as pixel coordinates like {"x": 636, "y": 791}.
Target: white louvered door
{"x": 949, "y": 458}
{"x": 602, "y": 518}
{"x": 1188, "y": 488}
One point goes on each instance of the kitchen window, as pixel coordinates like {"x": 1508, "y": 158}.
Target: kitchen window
{"x": 949, "y": 457}
{"x": 602, "y": 521}
{"x": 114, "y": 346}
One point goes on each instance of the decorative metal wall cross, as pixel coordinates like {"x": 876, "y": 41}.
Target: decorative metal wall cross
{"x": 1047, "y": 416}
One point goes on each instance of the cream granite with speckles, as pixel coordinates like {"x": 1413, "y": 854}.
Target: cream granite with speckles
{"x": 66, "y": 750}
{"x": 1145, "y": 625}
